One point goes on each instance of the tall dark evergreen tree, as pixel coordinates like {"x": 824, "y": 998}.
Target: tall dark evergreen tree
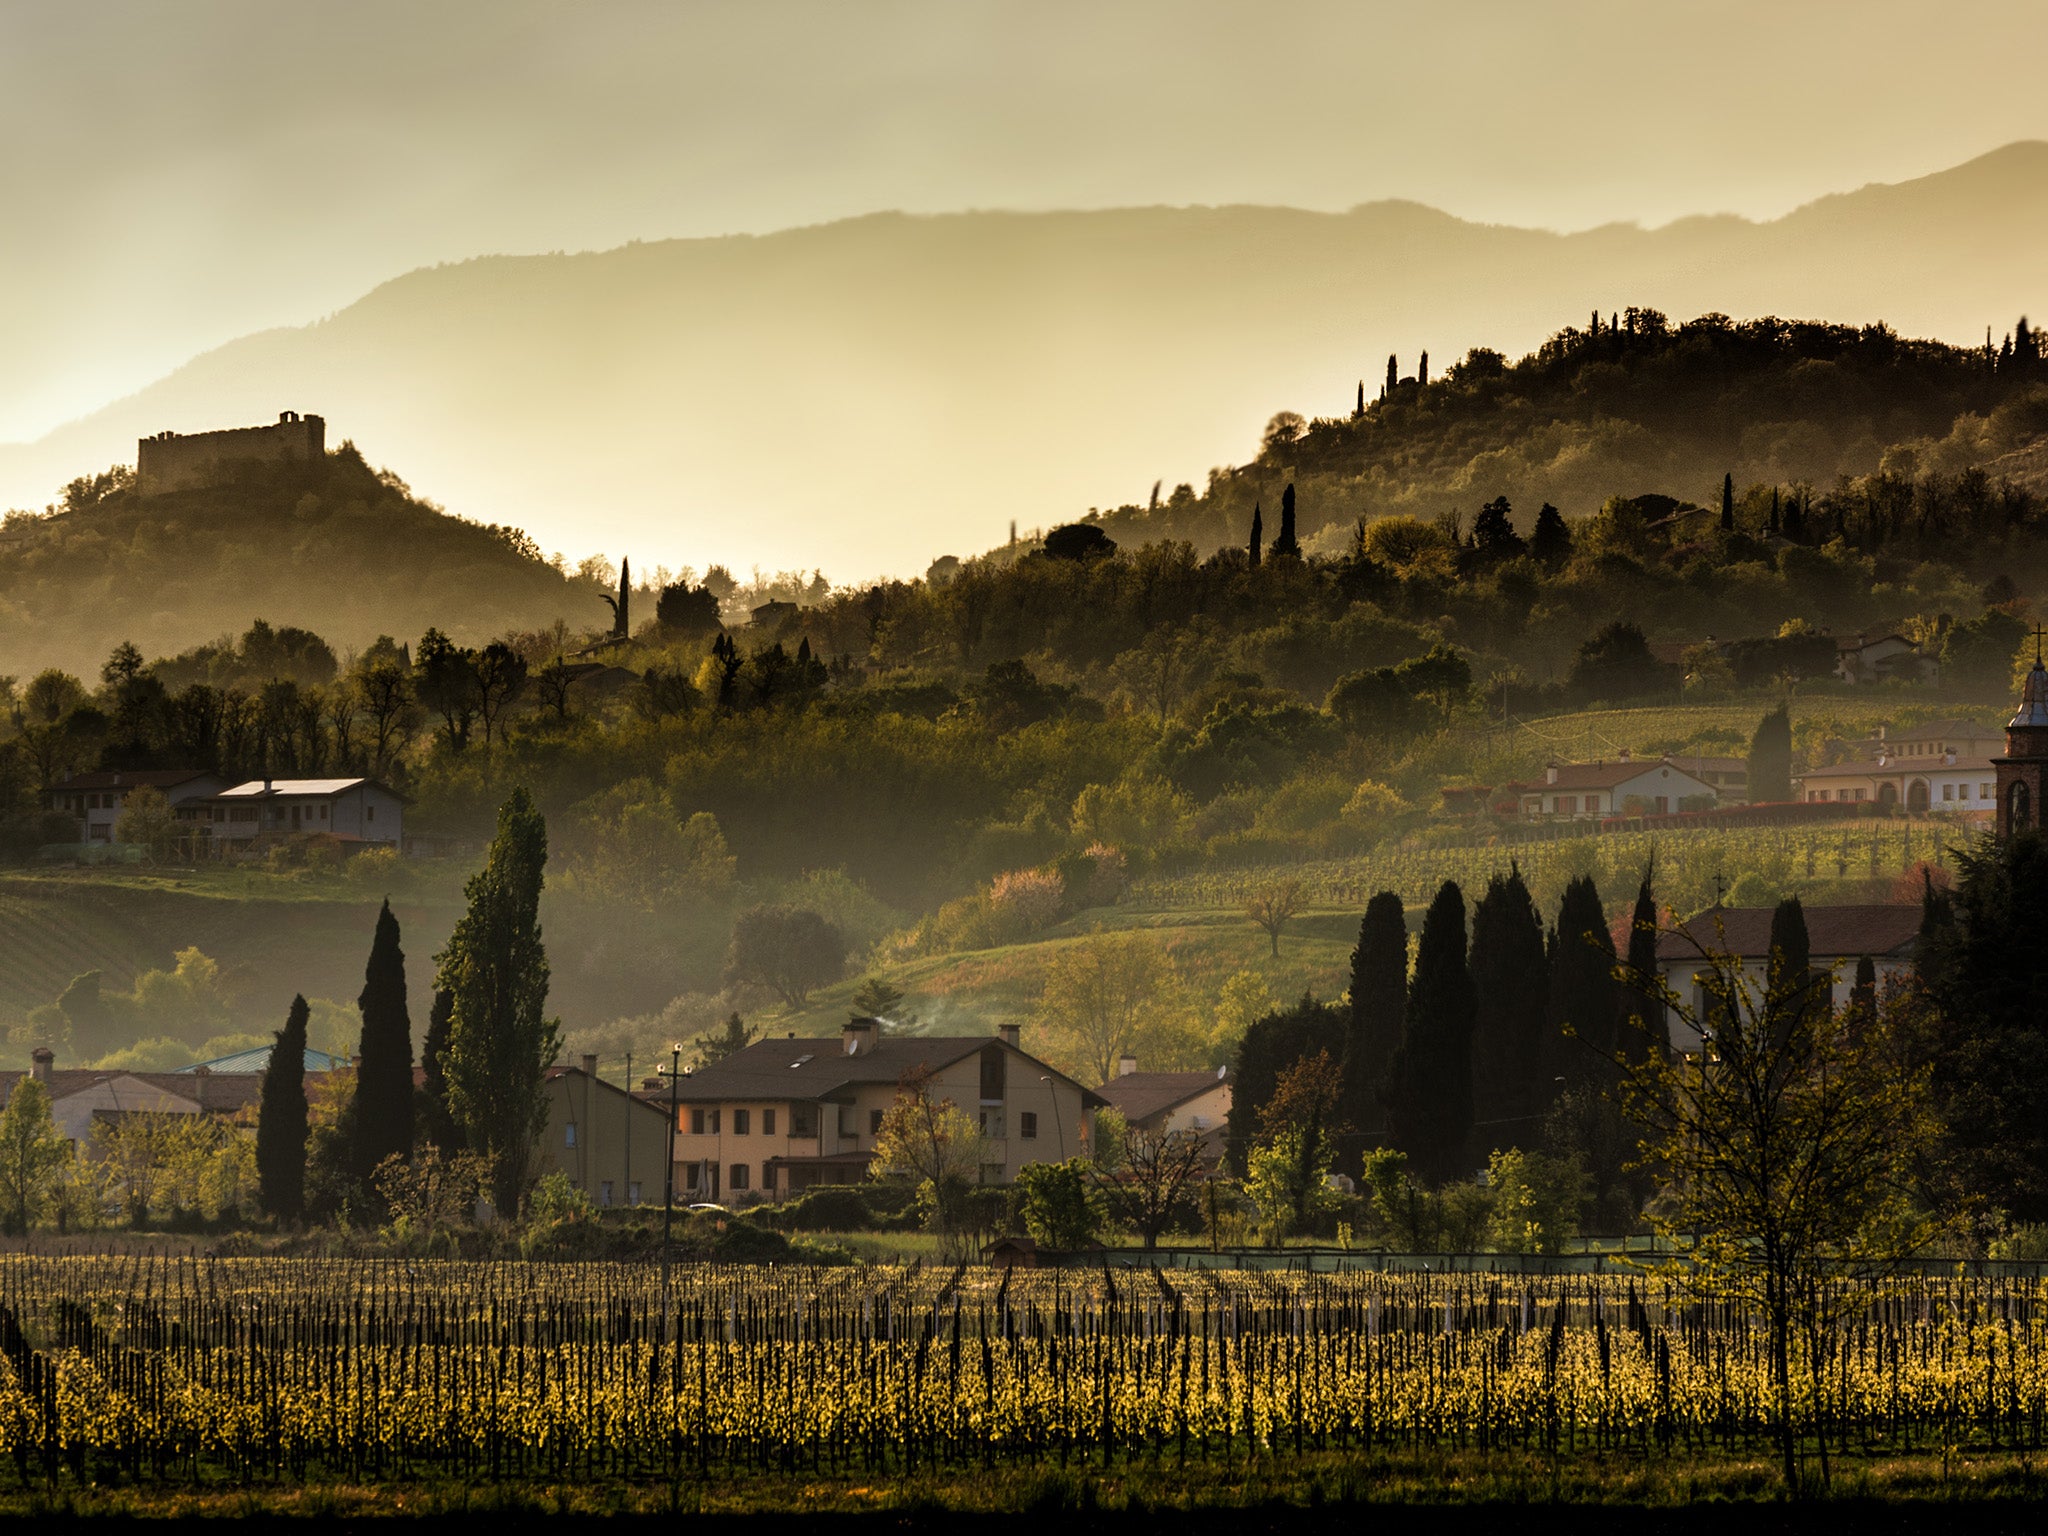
{"x": 1258, "y": 535}
{"x": 1511, "y": 985}
{"x": 432, "y": 1116}
{"x": 1422, "y": 371}
{"x": 1429, "y": 1099}
{"x": 1791, "y": 959}
{"x": 1551, "y": 540}
{"x": 1270, "y": 1046}
{"x": 1286, "y": 545}
{"x": 1393, "y": 375}
{"x": 1728, "y": 503}
{"x": 1775, "y": 523}
{"x": 1493, "y": 532}
{"x": 1987, "y": 971}
{"x": 1648, "y": 1031}
{"x": 1770, "y": 758}
{"x": 1583, "y": 997}
{"x": 1359, "y": 409}
{"x": 383, "y": 1119}
{"x": 500, "y": 1038}
{"x": 1378, "y": 999}
{"x": 281, "y": 1121}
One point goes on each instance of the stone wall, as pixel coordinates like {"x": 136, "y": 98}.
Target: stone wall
{"x": 172, "y": 461}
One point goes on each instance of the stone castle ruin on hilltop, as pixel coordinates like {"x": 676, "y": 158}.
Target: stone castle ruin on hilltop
{"x": 173, "y": 461}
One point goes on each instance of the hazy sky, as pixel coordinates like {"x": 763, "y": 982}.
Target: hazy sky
{"x": 180, "y": 173}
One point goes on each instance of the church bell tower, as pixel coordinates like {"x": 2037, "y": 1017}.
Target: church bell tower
{"x": 2024, "y": 767}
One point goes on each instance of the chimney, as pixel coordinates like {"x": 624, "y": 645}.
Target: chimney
{"x": 41, "y": 1059}
{"x": 589, "y": 1064}
{"x": 1010, "y": 1034}
{"x": 647, "y": 1084}
{"x": 1624, "y": 754}
{"x": 1126, "y": 1064}
{"x": 1550, "y": 774}
{"x": 859, "y": 1035}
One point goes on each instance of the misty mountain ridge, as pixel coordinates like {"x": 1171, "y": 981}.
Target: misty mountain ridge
{"x": 864, "y": 395}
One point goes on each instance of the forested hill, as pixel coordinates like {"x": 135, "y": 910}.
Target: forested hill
{"x": 1630, "y": 404}
{"x": 337, "y": 548}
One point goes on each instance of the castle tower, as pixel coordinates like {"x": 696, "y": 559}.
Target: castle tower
{"x": 2023, "y": 771}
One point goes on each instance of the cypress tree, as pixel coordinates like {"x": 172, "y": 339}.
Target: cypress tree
{"x": 435, "y": 1122}
{"x": 1393, "y": 375}
{"x": 383, "y": 1121}
{"x": 1270, "y": 1046}
{"x": 1258, "y": 534}
{"x": 1648, "y": 1033}
{"x": 1788, "y": 973}
{"x": 1429, "y": 1103}
{"x": 281, "y": 1121}
{"x": 1286, "y": 545}
{"x": 1511, "y": 985}
{"x": 1987, "y": 971}
{"x": 1770, "y": 758}
{"x": 1359, "y": 409}
{"x": 1551, "y": 540}
{"x": 1379, "y": 995}
{"x": 1728, "y": 502}
{"x": 500, "y": 1039}
{"x": 1582, "y": 990}
{"x": 1422, "y": 371}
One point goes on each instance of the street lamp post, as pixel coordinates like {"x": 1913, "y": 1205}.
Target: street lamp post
{"x": 1059, "y": 1134}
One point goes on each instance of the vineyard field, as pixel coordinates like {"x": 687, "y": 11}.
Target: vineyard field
{"x": 1694, "y": 866}
{"x": 147, "y": 1371}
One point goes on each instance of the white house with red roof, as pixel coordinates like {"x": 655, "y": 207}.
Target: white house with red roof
{"x": 1837, "y": 938}
{"x": 1627, "y": 786}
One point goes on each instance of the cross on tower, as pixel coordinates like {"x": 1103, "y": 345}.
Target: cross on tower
{"x": 2037, "y": 644}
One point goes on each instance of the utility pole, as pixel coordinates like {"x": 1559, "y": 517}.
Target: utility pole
{"x": 626, "y": 1193}
{"x": 675, "y": 1073}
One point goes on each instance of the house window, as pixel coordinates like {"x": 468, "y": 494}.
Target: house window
{"x": 1984, "y": 791}
{"x": 568, "y": 1132}
{"x": 1027, "y": 1125}
{"x": 690, "y": 1175}
{"x": 874, "y": 1122}
{"x": 1567, "y": 805}
{"x": 1948, "y": 791}
{"x": 323, "y": 813}
{"x": 767, "y": 1122}
{"x": 604, "y": 1189}
{"x": 845, "y": 1122}
{"x": 369, "y": 813}
{"x": 741, "y": 1119}
{"x": 992, "y": 1124}
{"x": 991, "y": 1173}
{"x": 633, "y": 1193}
{"x": 742, "y": 1177}
{"x": 714, "y": 1122}
{"x": 803, "y": 1121}
{"x": 696, "y": 1122}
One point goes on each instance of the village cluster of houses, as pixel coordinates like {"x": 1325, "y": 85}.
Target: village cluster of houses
{"x": 1943, "y": 767}
{"x": 791, "y": 1113}
{"x": 216, "y": 816}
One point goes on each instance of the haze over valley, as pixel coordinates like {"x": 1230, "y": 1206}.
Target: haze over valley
{"x": 865, "y": 395}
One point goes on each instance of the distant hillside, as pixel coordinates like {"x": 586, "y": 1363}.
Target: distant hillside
{"x": 1626, "y": 405}
{"x": 338, "y": 549}
{"x": 868, "y": 394}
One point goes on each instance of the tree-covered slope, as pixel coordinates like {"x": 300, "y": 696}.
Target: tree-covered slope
{"x": 336, "y": 548}
{"x": 1626, "y": 405}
